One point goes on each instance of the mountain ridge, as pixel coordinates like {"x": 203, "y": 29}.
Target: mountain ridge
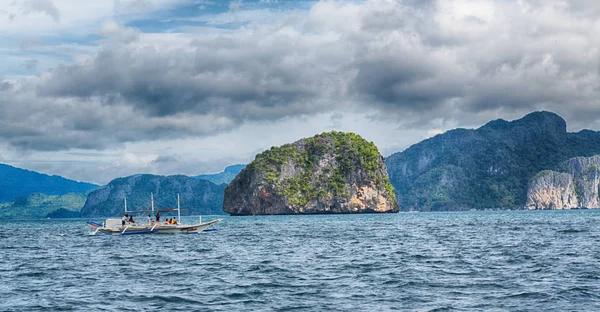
{"x": 485, "y": 167}
{"x": 17, "y": 182}
{"x": 198, "y": 196}
{"x": 226, "y": 176}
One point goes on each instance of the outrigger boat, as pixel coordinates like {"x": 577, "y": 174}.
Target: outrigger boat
{"x": 119, "y": 227}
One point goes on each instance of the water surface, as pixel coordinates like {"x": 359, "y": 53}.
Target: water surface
{"x": 470, "y": 261}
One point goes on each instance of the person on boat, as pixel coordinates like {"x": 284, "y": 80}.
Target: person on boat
{"x": 131, "y": 219}
{"x": 124, "y": 220}
{"x": 173, "y": 221}
{"x": 158, "y": 216}
{"x": 168, "y": 221}
{"x": 149, "y": 220}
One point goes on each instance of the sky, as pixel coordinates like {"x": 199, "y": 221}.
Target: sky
{"x": 97, "y": 89}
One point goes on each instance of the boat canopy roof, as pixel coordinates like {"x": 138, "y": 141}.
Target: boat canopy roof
{"x": 148, "y": 210}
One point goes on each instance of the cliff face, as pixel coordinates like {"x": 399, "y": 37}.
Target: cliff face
{"x": 332, "y": 172}
{"x": 575, "y": 187}
{"x": 488, "y": 167}
{"x": 586, "y": 171}
{"x": 197, "y": 196}
{"x": 552, "y": 190}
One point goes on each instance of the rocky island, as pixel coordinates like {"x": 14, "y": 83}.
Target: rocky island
{"x": 574, "y": 185}
{"x": 333, "y": 172}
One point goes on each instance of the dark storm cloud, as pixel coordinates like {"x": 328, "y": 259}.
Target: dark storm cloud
{"x": 419, "y": 60}
{"x": 484, "y": 57}
{"x": 232, "y": 77}
{"x": 29, "y": 122}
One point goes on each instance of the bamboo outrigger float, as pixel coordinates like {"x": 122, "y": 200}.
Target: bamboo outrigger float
{"x": 116, "y": 226}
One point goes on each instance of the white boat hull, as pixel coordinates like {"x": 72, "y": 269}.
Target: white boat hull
{"x": 132, "y": 229}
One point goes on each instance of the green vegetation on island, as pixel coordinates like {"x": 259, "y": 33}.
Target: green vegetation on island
{"x": 311, "y": 172}
{"x": 38, "y": 206}
{"x": 351, "y": 150}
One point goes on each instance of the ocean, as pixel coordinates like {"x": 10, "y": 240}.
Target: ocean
{"x": 461, "y": 261}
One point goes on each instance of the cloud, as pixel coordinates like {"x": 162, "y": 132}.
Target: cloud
{"x": 112, "y": 30}
{"x": 30, "y": 64}
{"x": 241, "y": 76}
{"x": 10, "y": 16}
{"x": 236, "y": 5}
{"x": 421, "y": 64}
{"x": 133, "y": 160}
{"x": 29, "y": 122}
{"x": 132, "y": 6}
{"x": 204, "y": 154}
{"x": 41, "y": 6}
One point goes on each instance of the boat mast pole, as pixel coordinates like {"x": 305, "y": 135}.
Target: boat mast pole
{"x": 178, "y": 210}
{"x": 152, "y": 200}
{"x": 125, "y": 204}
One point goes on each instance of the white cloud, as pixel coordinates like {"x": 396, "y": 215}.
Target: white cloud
{"x": 41, "y": 6}
{"x": 133, "y": 160}
{"x": 110, "y": 29}
{"x": 394, "y": 71}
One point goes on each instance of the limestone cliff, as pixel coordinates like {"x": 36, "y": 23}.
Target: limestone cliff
{"x": 332, "y": 172}
{"x": 586, "y": 172}
{"x": 552, "y": 190}
{"x": 576, "y": 186}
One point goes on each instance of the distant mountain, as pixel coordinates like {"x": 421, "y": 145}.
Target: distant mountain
{"x": 222, "y": 177}
{"x": 37, "y": 206}
{"x": 16, "y": 183}
{"x": 197, "y": 196}
{"x": 488, "y": 167}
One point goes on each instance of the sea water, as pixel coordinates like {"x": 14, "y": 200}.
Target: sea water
{"x": 468, "y": 261}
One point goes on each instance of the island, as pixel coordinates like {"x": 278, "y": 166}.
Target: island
{"x": 333, "y": 172}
